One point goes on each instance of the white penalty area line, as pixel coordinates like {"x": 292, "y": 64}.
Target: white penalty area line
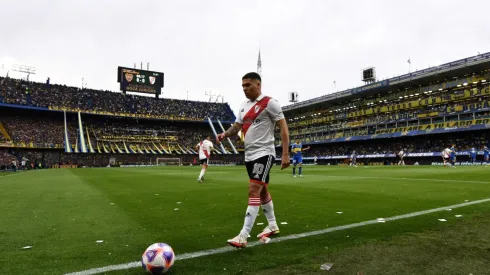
{"x": 209, "y": 252}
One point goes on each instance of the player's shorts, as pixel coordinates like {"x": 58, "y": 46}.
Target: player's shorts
{"x": 297, "y": 159}
{"x": 203, "y": 161}
{"x": 446, "y": 158}
{"x": 258, "y": 170}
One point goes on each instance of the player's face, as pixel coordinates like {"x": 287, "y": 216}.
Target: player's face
{"x": 297, "y": 141}
{"x": 251, "y": 88}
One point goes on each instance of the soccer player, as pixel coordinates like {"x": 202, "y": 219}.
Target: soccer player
{"x": 204, "y": 148}
{"x": 486, "y": 154}
{"x": 401, "y": 155}
{"x": 257, "y": 118}
{"x": 353, "y": 158}
{"x": 446, "y": 155}
{"x": 297, "y": 149}
{"x": 453, "y": 155}
{"x": 473, "y": 154}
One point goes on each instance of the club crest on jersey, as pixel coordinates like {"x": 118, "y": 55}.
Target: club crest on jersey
{"x": 129, "y": 77}
{"x": 152, "y": 80}
{"x": 257, "y": 108}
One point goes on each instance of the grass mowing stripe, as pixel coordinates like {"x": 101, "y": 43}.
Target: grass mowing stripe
{"x": 280, "y": 239}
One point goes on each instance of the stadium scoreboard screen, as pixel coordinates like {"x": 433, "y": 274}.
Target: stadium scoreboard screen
{"x": 140, "y": 81}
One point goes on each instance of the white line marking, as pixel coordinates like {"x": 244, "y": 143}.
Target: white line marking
{"x": 13, "y": 174}
{"x": 415, "y": 179}
{"x": 208, "y": 252}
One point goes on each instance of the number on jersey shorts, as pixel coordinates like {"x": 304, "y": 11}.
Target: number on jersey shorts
{"x": 258, "y": 170}
{"x": 203, "y": 161}
{"x": 297, "y": 160}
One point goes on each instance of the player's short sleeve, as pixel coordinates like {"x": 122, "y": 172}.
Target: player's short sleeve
{"x": 211, "y": 145}
{"x": 275, "y": 110}
{"x": 239, "y": 118}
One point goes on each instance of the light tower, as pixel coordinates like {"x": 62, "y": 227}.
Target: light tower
{"x": 259, "y": 65}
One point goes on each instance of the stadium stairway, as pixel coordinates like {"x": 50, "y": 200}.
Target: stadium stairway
{"x": 4, "y": 132}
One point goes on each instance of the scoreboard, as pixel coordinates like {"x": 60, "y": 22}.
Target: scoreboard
{"x": 140, "y": 81}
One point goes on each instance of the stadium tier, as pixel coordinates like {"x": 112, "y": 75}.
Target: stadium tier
{"x": 420, "y": 113}
{"x": 52, "y": 124}
{"x": 391, "y": 114}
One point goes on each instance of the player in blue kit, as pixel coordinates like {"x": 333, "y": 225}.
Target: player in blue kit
{"x": 486, "y": 153}
{"x": 297, "y": 150}
{"x": 453, "y": 155}
{"x": 473, "y": 155}
{"x": 353, "y": 159}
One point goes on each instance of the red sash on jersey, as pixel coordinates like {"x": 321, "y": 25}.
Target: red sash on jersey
{"x": 253, "y": 113}
{"x": 204, "y": 150}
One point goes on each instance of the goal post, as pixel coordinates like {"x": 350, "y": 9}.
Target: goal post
{"x": 169, "y": 161}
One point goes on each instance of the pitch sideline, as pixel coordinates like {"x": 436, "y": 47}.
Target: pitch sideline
{"x": 209, "y": 252}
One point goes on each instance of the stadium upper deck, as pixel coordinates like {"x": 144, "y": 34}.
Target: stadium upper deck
{"x": 72, "y": 99}
{"x": 451, "y": 97}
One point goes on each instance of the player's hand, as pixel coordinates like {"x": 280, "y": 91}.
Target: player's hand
{"x": 285, "y": 161}
{"x": 220, "y": 137}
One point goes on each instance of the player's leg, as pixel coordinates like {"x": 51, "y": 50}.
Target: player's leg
{"x": 204, "y": 165}
{"x": 294, "y": 166}
{"x": 300, "y": 169}
{"x": 268, "y": 208}
{"x": 258, "y": 172}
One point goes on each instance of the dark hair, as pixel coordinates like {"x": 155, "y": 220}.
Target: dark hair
{"x": 253, "y": 76}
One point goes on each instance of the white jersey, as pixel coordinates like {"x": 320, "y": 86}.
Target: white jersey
{"x": 258, "y": 122}
{"x": 205, "y": 149}
{"x": 446, "y": 153}
{"x": 401, "y": 154}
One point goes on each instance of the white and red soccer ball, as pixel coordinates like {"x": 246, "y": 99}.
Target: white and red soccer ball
{"x": 158, "y": 258}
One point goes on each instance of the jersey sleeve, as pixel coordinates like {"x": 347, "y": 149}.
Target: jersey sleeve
{"x": 275, "y": 110}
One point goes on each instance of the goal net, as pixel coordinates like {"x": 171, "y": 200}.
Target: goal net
{"x": 169, "y": 161}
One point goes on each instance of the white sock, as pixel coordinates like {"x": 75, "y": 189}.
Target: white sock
{"x": 250, "y": 216}
{"x": 268, "y": 209}
{"x": 202, "y": 173}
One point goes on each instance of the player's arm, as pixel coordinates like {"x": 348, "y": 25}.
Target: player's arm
{"x": 233, "y": 130}
{"x": 306, "y": 149}
{"x": 285, "y": 142}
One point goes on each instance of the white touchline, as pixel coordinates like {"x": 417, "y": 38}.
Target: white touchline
{"x": 208, "y": 252}
{"x": 415, "y": 179}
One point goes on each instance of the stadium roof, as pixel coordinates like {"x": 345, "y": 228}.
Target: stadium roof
{"x": 438, "y": 73}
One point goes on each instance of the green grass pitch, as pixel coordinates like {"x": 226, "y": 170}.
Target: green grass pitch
{"x": 61, "y": 214}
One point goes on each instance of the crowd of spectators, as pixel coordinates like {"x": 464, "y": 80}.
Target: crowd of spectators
{"x": 420, "y": 144}
{"x": 15, "y": 91}
{"x": 6, "y": 159}
{"x": 42, "y": 129}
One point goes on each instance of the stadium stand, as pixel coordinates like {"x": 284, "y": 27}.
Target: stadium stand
{"x": 449, "y": 98}
{"x": 420, "y": 113}
{"x": 62, "y": 97}
{"x": 121, "y": 129}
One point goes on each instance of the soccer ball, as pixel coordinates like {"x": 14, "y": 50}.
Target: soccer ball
{"x": 158, "y": 258}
